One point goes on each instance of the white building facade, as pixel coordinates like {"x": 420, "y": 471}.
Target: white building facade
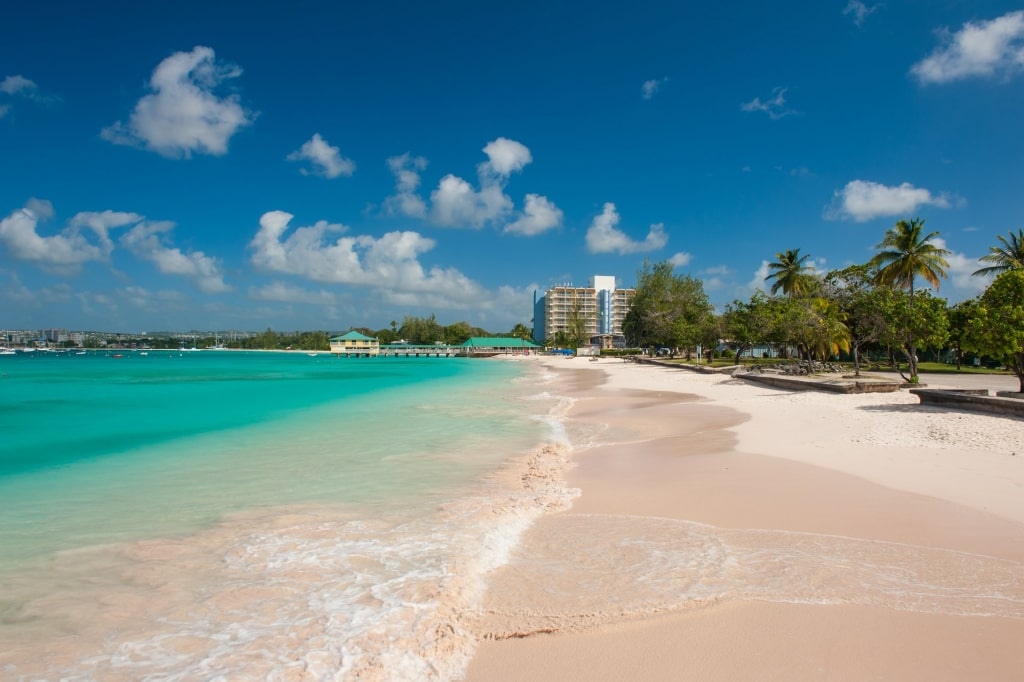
{"x": 601, "y": 306}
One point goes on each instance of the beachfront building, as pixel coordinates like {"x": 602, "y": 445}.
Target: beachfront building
{"x": 599, "y": 307}
{"x": 488, "y": 346}
{"x": 354, "y": 344}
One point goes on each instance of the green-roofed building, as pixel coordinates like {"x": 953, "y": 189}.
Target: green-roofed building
{"x": 487, "y": 346}
{"x": 354, "y": 343}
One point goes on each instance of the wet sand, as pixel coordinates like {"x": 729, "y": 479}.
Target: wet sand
{"x": 727, "y": 531}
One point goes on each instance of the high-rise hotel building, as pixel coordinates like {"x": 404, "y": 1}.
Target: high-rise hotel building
{"x": 600, "y": 305}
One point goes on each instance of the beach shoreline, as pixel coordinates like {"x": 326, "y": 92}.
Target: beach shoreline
{"x": 847, "y": 506}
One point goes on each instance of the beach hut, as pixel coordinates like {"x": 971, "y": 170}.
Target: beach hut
{"x": 354, "y": 343}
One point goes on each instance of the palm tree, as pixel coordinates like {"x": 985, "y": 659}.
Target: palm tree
{"x": 903, "y": 255}
{"x": 1009, "y": 256}
{"x": 521, "y": 331}
{"x": 790, "y": 273}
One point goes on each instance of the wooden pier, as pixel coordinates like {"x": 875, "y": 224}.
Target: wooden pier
{"x": 403, "y": 351}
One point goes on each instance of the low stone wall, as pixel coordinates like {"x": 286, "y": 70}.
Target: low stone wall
{"x": 816, "y": 383}
{"x": 974, "y": 400}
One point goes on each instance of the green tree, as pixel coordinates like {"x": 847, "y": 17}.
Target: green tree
{"x": 457, "y": 333}
{"x": 960, "y": 317}
{"x": 667, "y": 310}
{"x": 791, "y": 273}
{"x": 421, "y": 330}
{"x": 1009, "y": 256}
{"x": 909, "y": 323}
{"x": 854, "y": 292}
{"x": 577, "y": 324}
{"x": 905, "y": 254}
{"x": 997, "y": 329}
{"x": 745, "y": 323}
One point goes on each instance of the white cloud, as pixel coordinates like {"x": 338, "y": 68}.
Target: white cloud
{"x": 538, "y": 215}
{"x": 19, "y": 86}
{"x": 102, "y": 222}
{"x": 859, "y": 11}
{"x": 389, "y": 264}
{"x": 681, "y": 259}
{"x": 604, "y": 237}
{"x": 64, "y": 252}
{"x": 960, "y": 270}
{"x": 775, "y": 107}
{"x": 863, "y": 200}
{"x": 289, "y": 293}
{"x": 405, "y": 201}
{"x": 759, "y": 276}
{"x": 146, "y": 241}
{"x": 985, "y": 48}
{"x": 505, "y": 157}
{"x": 456, "y": 204}
{"x": 12, "y": 85}
{"x": 650, "y": 88}
{"x": 182, "y": 114}
{"x": 326, "y": 160}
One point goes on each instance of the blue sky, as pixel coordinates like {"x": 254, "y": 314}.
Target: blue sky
{"x": 321, "y": 165}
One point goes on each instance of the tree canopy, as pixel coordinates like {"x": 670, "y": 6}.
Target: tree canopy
{"x": 997, "y": 328}
{"x": 668, "y": 310}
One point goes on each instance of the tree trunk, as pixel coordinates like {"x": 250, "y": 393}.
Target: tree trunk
{"x": 912, "y": 360}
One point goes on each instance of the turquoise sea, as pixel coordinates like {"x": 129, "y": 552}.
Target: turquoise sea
{"x": 233, "y": 515}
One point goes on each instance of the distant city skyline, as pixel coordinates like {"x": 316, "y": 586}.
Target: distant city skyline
{"x": 338, "y": 165}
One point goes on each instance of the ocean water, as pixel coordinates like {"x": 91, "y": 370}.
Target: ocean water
{"x": 229, "y": 515}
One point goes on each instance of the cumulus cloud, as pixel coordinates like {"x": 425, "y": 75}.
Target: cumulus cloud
{"x": 504, "y": 157}
{"x": 858, "y": 11}
{"x": 985, "y": 48}
{"x": 538, "y": 215}
{"x": 101, "y": 223}
{"x": 12, "y": 85}
{"x": 405, "y": 201}
{"x": 67, "y": 250}
{"x": 759, "y": 276}
{"x": 604, "y": 237}
{"x": 650, "y": 88}
{"x": 147, "y": 241}
{"x": 326, "y": 160}
{"x": 775, "y": 106}
{"x": 455, "y": 203}
{"x": 862, "y": 200}
{"x": 960, "y": 270}
{"x": 182, "y": 114}
{"x": 680, "y": 260}
{"x": 323, "y": 252}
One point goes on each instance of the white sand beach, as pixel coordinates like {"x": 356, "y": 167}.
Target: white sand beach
{"x": 728, "y": 530}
